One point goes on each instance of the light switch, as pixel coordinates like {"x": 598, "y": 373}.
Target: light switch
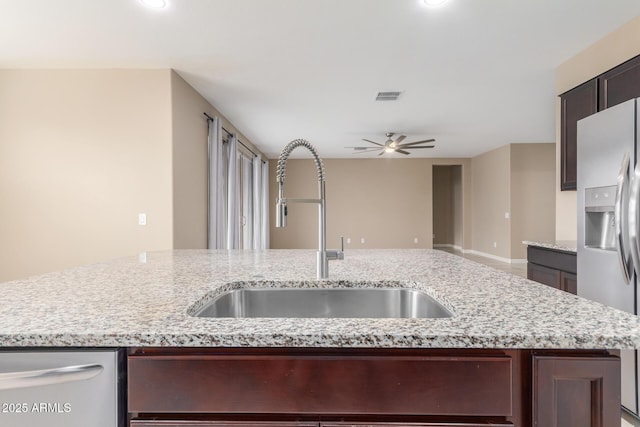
{"x": 142, "y": 219}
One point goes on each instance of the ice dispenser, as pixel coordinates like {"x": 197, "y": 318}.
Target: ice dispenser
{"x": 600, "y": 223}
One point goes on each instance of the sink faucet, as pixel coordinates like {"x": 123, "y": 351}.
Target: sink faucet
{"x": 324, "y": 255}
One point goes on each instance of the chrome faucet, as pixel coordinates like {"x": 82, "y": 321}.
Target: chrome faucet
{"x": 324, "y": 255}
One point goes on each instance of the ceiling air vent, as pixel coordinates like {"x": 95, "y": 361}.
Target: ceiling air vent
{"x": 387, "y": 96}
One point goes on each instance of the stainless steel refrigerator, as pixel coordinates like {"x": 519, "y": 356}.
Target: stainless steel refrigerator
{"x": 608, "y": 224}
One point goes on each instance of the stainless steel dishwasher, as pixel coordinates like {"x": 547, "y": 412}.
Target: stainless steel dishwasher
{"x": 60, "y": 388}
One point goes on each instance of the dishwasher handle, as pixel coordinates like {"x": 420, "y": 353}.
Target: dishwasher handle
{"x": 13, "y": 380}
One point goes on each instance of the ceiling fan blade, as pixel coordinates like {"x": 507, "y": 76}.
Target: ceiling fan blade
{"x": 417, "y": 142}
{"x": 368, "y": 150}
{"x": 400, "y": 139}
{"x": 401, "y": 151}
{"x": 373, "y": 142}
{"x": 363, "y": 148}
{"x": 426, "y": 146}
{"x": 381, "y": 152}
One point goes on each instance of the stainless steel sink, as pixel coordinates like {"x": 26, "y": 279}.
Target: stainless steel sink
{"x": 325, "y": 302}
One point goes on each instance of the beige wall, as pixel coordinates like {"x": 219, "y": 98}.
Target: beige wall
{"x": 617, "y": 47}
{"x": 388, "y": 202}
{"x": 490, "y": 199}
{"x": 533, "y": 179}
{"x": 518, "y": 179}
{"x": 189, "y": 153}
{"x": 82, "y": 152}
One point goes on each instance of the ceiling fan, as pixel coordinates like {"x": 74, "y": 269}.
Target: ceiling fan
{"x": 393, "y": 145}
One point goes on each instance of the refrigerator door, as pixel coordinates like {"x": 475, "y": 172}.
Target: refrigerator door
{"x": 603, "y": 141}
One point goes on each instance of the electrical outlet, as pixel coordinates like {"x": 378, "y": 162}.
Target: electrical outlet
{"x": 362, "y": 240}
{"x": 506, "y": 215}
{"x": 348, "y": 240}
{"x": 142, "y": 219}
{"x": 415, "y": 240}
{"x": 495, "y": 244}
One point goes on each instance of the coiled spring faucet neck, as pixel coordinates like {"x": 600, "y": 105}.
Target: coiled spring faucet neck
{"x": 286, "y": 152}
{"x": 281, "y": 205}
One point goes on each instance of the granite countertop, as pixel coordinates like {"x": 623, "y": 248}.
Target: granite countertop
{"x": 126, "y": 302}
{"x": 558, "y": 245}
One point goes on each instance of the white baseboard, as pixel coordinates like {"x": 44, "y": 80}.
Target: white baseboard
{"x": 482, "y": 254}
{"x": 497, "y": 258}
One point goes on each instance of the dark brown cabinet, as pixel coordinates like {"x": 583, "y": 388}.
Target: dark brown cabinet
{"x": 573, "y": 391}
{"x": 553, "y": 268}
{"x": 200, "y": 423}
{"x": 289, "y": 387}
{"x": 619, "y": 84}
{"x": 576, "y": 104}
{"x": 613, "y": 87}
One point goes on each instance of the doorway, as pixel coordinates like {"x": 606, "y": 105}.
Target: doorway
{"x": 447, "y": 206}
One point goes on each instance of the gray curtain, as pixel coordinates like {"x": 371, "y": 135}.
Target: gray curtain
{"x": 248, "y": 193}
{"x": 233, "y": 195}
{"x": 260, "y": 203}
{"x": 217, "y": 209}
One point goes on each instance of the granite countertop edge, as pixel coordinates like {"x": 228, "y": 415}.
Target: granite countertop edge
{"x": 570, "y": 246}
{"x": 128, "y": 303}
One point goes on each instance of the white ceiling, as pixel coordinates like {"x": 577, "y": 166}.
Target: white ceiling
{"x": 475, "y": 74}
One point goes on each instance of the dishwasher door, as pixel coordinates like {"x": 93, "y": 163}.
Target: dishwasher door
{"x": 59, "y": 388}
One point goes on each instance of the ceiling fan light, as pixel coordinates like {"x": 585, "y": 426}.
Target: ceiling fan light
{"x": 389, "y": 150}
{"x": 434, "y": 3}
{"x": 154, "y": 4}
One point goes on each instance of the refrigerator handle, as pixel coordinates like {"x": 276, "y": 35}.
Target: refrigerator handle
{"x": 632, "y": 220}
{"x": 620, "y": 220}
{"x": 12, "y": 380}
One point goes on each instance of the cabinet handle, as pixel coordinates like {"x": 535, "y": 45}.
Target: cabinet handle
{"x": 13, "y": 380}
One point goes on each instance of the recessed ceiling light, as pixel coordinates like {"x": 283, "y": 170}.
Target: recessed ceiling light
{"x": 154, "y": 4}
{"x": 434, "y": 2}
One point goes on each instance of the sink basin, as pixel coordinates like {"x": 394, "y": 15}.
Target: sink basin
{"x": 325, "y": 302}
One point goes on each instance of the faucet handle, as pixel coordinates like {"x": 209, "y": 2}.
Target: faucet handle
{"x": 333, "y": 254}
{"x": 340, "y": 253}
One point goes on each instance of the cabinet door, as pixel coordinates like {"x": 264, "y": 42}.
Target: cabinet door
{"x": 544, "y": 275}
{"x": 620, "y": 84}
{"x": 576, "y": 391}
{"x": 576, "y": 104}
{"x": 569, "y": 283}
{"x": 436, "y": 424}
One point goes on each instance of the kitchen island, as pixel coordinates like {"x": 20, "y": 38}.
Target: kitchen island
{"x": 494, "y": 361}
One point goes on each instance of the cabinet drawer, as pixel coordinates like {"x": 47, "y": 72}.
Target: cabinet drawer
{"x": 192, "y": 423}
{"x": 317, "y": 384}
{"x": 558, "y": 260}
{"x": 545, "y": 275}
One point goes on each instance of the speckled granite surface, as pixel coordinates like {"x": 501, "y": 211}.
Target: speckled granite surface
{"x": 559, "y": 245}
{"x": 129, "y": 303}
